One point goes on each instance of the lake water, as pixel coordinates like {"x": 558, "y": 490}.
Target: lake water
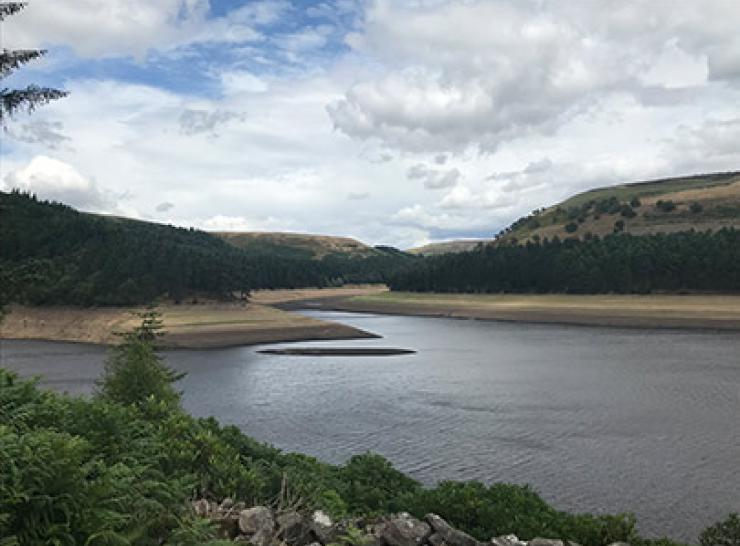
{"x": 596, "y": 419}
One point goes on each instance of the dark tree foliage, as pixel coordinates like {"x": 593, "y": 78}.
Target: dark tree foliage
{"x": 617, "y": 263}
{"x": 13, "y": 100}
{"x": 52, "y": 254}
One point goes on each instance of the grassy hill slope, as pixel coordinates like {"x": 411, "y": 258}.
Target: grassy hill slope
{"x": 446, "y": 247}
{"x": 700, "y": 202}
{"x": 297, "y": 245}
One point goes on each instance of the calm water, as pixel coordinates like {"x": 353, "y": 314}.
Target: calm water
{"x": 601, "y": 420}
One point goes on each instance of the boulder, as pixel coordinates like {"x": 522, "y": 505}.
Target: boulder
{"x": 322, "y": 528}
{"x": 262, "y": 538}
{"x": 293, "y": 529}
{"x": 201, "y": 507}
{"x": 405, "y": 530}
{"x": 507, "y": 540}
{"x": 444, "y": 533}
{"x": 256, "y": 520}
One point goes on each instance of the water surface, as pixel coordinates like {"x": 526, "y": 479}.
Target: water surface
{"x": 597, "y": 419}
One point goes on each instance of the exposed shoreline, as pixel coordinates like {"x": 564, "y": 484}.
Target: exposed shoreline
{"x": 187, "y": 326}
{"x": 268, "y": 318}
{"x": 692, "y": 312}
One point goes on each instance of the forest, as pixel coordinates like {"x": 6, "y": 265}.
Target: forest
{"x": 618, "y": 263}
{"x": 52, "y": 254}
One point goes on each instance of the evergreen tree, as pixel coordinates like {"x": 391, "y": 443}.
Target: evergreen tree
{"x": 13, "y": 100}
{"x": 136, "y": 375}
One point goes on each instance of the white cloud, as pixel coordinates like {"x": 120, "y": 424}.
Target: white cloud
{"x": 454, "y": 75}
{"x": 96, "y": 28}
{"x": 56, "y": 180}
{"x": 434, "y": 179}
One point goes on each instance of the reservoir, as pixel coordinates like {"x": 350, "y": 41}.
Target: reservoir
{"x": 595, "y": 419}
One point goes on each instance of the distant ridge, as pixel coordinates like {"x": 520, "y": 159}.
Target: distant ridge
{"x": 698, "y": 202}
{"x": 446, "y": 247}
{"x": 297, "y": 244}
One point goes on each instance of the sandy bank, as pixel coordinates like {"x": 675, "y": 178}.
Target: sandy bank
{"x": 720, "y": 312}
{"x": 188, "y": 326}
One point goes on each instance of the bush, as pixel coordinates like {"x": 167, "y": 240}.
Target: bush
{"x": 635, "y": 202}
{"x": 723, "y": 533}
{"x": 696, "y": 208}
{"x": 571, "y": 227}
{"x": 627, "y": 211}
{"x": 665, "y": 206}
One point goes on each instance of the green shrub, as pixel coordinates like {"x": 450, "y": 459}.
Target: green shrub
{"x": 571, "y": 227}
{"x": 723, "y": 533}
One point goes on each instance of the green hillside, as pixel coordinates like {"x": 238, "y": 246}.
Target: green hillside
{"x": 53, "y": 254}
{"x": 699, "y": 202}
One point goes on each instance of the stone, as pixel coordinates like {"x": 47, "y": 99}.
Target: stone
{"x": 293, "y": 529}
{"x": 444, "y": 533}
{"x": 201, "y": 507}
{"x": 619, "y": 544}
{"x": 227, "y": 526}
{"x": 545, "y": 542}
{"x": 508, "y": 540}
{"x": 256, "y": 520}
{"x": 405, "y": 530}
{"x": 322, "y": 528}
{"x": 262, "y": 538}
{"x": 226, "y": 504}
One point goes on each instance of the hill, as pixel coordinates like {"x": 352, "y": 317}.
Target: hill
{"x": 699, "y": 202}
{"x": 53, "y": 254}
{"x": 446, "y": 247}
{"x": 297, "y": 245}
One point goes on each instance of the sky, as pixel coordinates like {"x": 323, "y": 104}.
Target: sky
{"x": 395, "y": 122}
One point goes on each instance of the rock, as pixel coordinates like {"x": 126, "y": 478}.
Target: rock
{"x": 619, "y": 544}
{"x": 405, "y": 530}
{"x": 321, "y": 518}
{"x": 226, "y": 504}
{"x": 256, "y": 520}
{"x": 545, "y": 542}
{"x": 227, "y": 526}
{"x": 322, "y": 528}
{"x": 293, "y": 529}
{"x": 508, "y": 540}
{"x": 201, "y": 507}
{"x": 262, "y": 538}
{"x": 444, "y": 533}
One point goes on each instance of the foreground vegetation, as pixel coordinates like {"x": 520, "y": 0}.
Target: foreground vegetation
{"x": 53, "y": 254}
{"x": 618, "y": 263}
{"x": 121, "y": 467}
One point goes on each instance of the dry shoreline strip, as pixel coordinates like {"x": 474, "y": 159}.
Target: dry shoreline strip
{"x": 214, "y": 325}
{"x": 188, "y": 326}
{"x": 717, "y": 312}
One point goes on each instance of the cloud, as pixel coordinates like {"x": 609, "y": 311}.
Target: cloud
{"x": 164, "y": 206}
{"x": 358, "y": 196}
{"x": 193, "y": 122}
{"x": 95, "y": 28}
{"x": 47, "y": 133}
{"x": 448, "y": 82}
{"x": 434, "y": 179}
{"x": 55, "y": 180}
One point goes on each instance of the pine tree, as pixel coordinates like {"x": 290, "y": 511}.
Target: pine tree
{"x": 13, "y": 100}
